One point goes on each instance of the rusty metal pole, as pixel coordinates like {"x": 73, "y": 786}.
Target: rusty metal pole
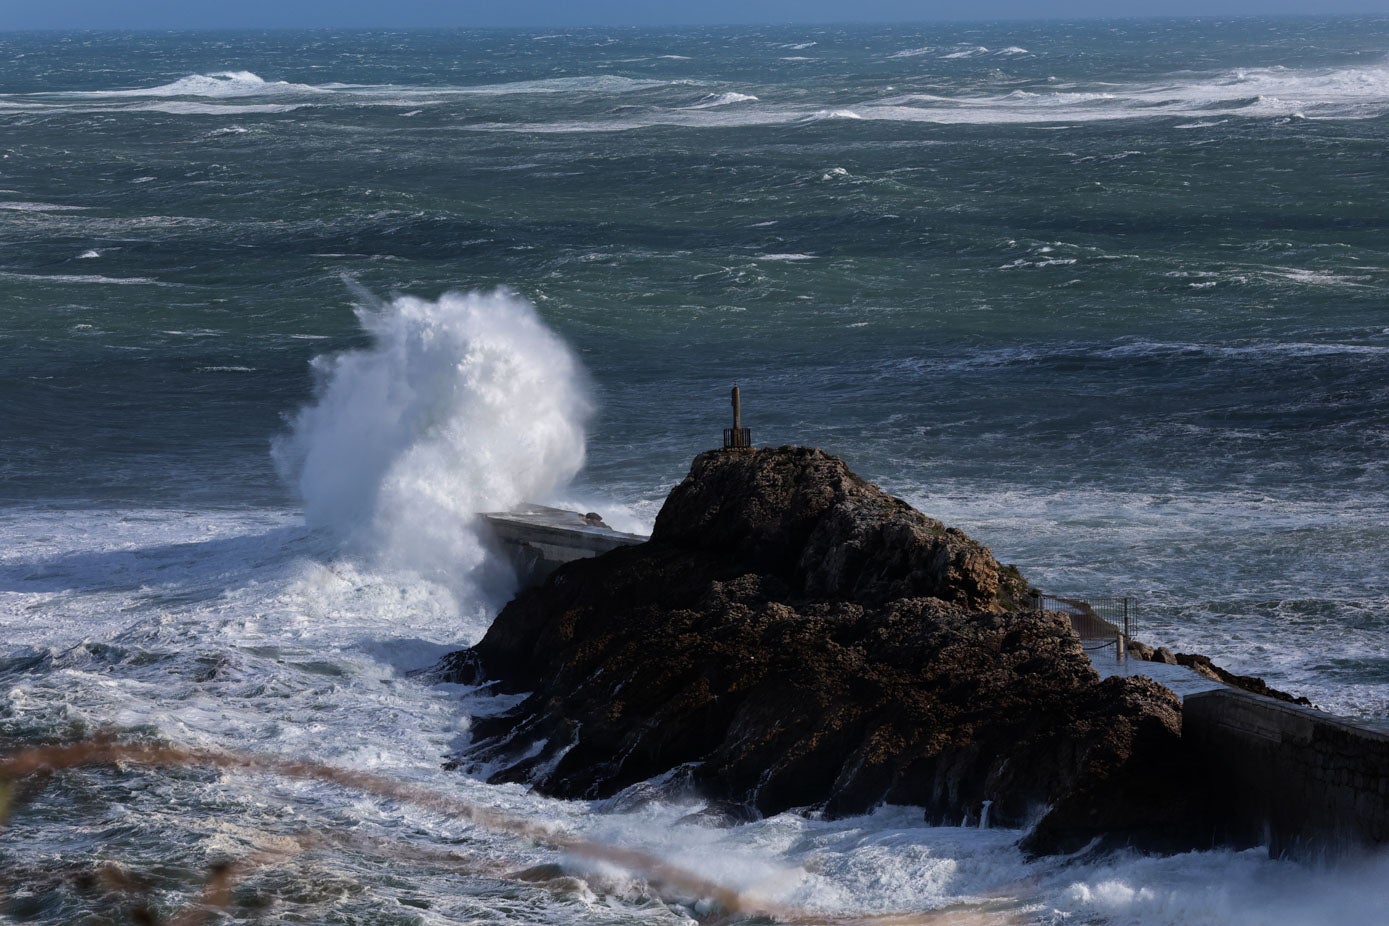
{"x": 737, "y": 410}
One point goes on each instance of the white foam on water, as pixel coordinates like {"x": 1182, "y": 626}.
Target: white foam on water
{"x": 461, "y": 405}
{"x": 599, "y": 83}
{"x": 1227, "y": 888}
{"x": 823, "y": 115}
{"x": 190, "y": 108}
{"x": 246, "y": 93}
{"x": 39, "y": 207}
{"x": 1270, "y": 93}
{"x": 219, "y": 85}
{"x": 724, "y": 99}
{"x": 971, "y": 52}
{"x": 244, "y": 629}
{"x": 81, "y": 278}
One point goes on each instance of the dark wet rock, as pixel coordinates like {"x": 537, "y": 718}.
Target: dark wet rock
{"x": 720, "y": 815}
{"x": 1202, "y": 665}
{"x": 1139, "y": 650}
{"x": 793, "y": 637}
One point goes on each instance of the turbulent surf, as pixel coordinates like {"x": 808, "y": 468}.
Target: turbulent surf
{"x": 1110, "y": 297}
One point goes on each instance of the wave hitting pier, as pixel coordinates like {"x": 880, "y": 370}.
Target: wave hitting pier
{"x": 539, "y": 539}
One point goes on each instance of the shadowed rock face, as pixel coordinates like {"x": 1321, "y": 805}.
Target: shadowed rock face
{"x": 792, "y": 636}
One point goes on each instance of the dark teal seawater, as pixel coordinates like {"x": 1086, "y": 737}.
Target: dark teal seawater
{"x": 1134, "y": 260}
{"x": 1112, "y": 296}
{"x": 1122, "y": 253}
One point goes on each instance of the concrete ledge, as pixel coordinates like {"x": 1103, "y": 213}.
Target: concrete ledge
{"x": 1304, "y": 782}
{"x": 540, "y": 539}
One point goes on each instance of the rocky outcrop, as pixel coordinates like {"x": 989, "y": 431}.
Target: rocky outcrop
{"x": 791, "y": 636}
{"x": 1202, "y": 665}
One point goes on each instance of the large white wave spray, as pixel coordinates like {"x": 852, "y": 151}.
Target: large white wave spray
{"x": 460, "y": 405}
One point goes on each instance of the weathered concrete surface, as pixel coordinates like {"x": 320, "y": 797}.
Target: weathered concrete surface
{"x": 539, "y": 539}
{"x": 1307, "y": 782}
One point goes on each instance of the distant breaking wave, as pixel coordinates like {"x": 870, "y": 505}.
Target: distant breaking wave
{"x": 960, "y": 51}
{"x": 236, "y": 84}
{"x": 1350, "y": 93}
{"x": 724, "y": 99}
{"x": 1273, "y": 92}
{"x": 220, "y": 85}
{"x": 244, "y": 92}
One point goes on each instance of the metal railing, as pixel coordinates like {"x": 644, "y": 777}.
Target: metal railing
{"x": 1099, "y": 621}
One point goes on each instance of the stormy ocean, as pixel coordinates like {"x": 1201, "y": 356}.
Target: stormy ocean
{"x": 281, "y": 312}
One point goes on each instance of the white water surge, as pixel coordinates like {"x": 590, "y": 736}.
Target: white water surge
{"x": 460, "y": 405}
{"x": 244, "y": 630}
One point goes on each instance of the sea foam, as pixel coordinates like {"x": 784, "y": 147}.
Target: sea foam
{"x": 465, "y": 404}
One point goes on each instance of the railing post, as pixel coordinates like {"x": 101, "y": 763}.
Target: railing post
{"x": 1124, "y": 635}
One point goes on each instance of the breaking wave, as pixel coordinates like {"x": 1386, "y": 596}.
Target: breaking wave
{"x": 465, "y": 404}
{"x": 220, "y": 85}
{"x": 724, "y": 99}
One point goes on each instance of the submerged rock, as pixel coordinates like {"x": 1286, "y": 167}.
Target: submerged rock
{"x": 793, "y": 637}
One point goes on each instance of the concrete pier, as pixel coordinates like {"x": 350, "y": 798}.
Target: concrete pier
{"x": 540, "y": 539}
{"x": 1307, "y": 783}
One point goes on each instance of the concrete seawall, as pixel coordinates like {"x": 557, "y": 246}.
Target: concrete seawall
{"x": 539, "y": 539}
{"x": 1305, "y": 782}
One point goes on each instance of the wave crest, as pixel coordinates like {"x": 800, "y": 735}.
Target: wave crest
{"x": 458, "y": 406}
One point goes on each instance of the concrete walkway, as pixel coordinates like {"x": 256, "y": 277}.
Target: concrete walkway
{"x": 1180, "y": 679}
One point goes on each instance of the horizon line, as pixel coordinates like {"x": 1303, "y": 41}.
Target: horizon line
{"x": 442, "y": 27}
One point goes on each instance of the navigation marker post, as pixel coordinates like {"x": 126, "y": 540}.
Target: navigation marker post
{"x": 737, "y": 437}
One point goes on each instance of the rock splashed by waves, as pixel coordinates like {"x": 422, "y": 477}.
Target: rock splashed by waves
{"x": 792, "y": 636}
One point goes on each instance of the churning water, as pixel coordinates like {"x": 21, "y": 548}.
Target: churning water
{"x": 282, "y": 312}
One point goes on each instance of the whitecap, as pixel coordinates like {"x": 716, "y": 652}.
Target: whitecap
{"x": 218, "y": 85}
{"x": 39, "y": 207}
{"x": 188, "y": 108}
{"x": 1317, "y": 277}
{"x": 601, "y": 83}
{"x": 724, "y": 99}
{"x": 80, "y": 278}
{"x": 971, "y": 52}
